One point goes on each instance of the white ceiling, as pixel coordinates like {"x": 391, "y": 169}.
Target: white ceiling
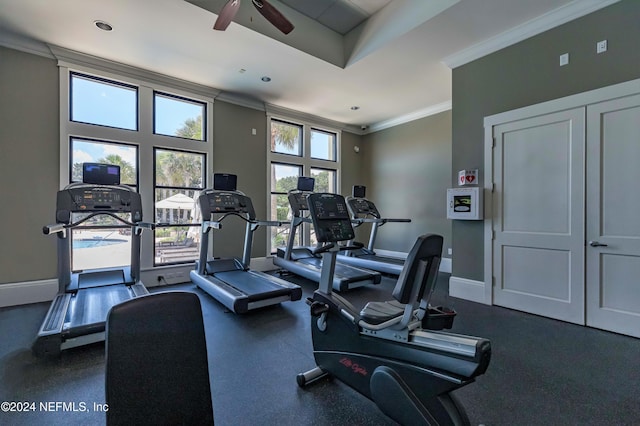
{"x": 395, "y": 66}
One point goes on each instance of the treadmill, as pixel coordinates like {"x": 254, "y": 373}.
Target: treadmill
{"x": 303, "y": 261}
{"x": 230, "y": 281}
{"x": 364, "y": 211}
{"x": 79, "y": 311}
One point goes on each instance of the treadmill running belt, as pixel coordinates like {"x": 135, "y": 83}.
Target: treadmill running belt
{"x": 100, "y": 278}
{"x": 91, "y": 306}
{"x": 254, "y": 286}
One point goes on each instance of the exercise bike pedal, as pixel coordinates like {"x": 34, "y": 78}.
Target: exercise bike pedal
{"x": 317, "y": 308}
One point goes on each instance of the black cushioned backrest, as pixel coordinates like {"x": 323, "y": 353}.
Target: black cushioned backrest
{"x": 420, "y": 271}
{"x": 157, "y": 371}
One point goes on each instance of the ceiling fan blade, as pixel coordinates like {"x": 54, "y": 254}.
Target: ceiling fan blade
{"x": 273, "y": 15}
{"x": 226, "y": 15}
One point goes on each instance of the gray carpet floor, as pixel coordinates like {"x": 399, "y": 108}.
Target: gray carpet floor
{"x": 543, "y": 372}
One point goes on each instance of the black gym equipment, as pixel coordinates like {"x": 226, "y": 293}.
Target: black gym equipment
{"x": 391, "y": 352}
{"x": 78, "y": 313}
{"x": 303, "y": 261}
{"x": 157, "y": 371}
{"x": 364, "y": 211}
{"x": 230, "y": 281}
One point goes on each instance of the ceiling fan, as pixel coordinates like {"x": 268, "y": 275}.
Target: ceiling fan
{"x": 267, "y": 10}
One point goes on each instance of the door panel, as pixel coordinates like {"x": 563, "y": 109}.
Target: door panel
{"x": 539, "y": 215}
{"x": 522, "y": 273}
{"x": 613, "y": 206}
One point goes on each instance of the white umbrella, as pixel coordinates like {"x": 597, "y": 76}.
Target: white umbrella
{"x": 178, "y": 201}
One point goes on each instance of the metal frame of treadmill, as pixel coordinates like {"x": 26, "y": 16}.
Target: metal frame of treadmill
{"x": 204, "y": 276}
{"x": 357, "y": 277}
{"x": 58, "y": 331}
{"x": 367, "y": 257}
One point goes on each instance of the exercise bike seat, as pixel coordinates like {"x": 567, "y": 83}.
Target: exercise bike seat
{"x": 379, "y": 312}
{"x": 414, "y": 286}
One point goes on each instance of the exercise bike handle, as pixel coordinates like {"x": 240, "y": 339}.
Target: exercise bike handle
{"x": 353, "y": 246}
{"x": 52, "y": 229}
{"x": 323, "y": 248}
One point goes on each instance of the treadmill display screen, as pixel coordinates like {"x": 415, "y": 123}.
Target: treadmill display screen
{"x": 225, "y": 182}
{"x": 306, "y": 184}
{"x": 359, "y": 191}
{"x": 101, "y": 174}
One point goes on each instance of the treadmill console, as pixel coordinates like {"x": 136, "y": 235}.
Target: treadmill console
{"x": 298, "y": 202}
{"x": 84, "y": 198}
{"x": 225, "y": 202}
{"x": 364, "y": 207}
{"x": 330, "y": 218}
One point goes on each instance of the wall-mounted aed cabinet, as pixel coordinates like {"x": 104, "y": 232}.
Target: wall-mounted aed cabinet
{"x": 464, "y": 203}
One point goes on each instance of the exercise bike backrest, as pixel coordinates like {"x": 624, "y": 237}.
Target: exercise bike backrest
{"x": 419, "y": 274}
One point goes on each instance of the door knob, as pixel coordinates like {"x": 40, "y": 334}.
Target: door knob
{"x": 597, "y": 244}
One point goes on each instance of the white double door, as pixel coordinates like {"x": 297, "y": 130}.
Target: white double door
{"x": 566, "y": 215}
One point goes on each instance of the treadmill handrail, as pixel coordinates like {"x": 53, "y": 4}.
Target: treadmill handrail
{"x": 58, "y": 227}
{"x": 97, "y": 185}
{"x": 217, "y": 224}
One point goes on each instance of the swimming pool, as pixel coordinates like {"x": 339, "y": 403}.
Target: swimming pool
{"x": 79, "y": 243}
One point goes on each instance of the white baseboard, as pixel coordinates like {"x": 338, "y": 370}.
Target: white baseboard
{"x": 445, "y": 265}
{"x": 23, "y": 293}
{"x": 445, "y": 262}
{"x": 389, "y": 253}
{"x": 467, "y": 289}
{"x": 27, "y": 292}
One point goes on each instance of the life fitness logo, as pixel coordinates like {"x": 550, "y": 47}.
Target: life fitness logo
{"x": 358, "y": 369}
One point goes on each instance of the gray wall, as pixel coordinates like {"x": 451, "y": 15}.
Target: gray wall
{"x": 408, "y": 169}
{"x": 29, "y": 155}
{"x": 528, "y": 73}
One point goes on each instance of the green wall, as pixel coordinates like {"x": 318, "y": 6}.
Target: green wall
{"x": 408, "y": 168}
{"x": 237, "y": 151}
{"x": 528, "y": 73}
{"x": 29, "y": 154}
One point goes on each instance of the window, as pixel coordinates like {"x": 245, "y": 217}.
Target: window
{"x": 156, "y": 134}
{"x": 95, "y": 244}
{"x": 103, "y": 102}
{"x": 94, "y": 151}
{"x": 298, "y": 150}
{"x": 179, "y": 178}
{"x": 176, "y": 116}
{"x": 284, "y": 179}
{"x": 323, "y": 145}
{"x": 286, "y": 138}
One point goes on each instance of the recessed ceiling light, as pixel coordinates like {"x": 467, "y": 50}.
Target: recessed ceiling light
{"x": 103, "y": 25}
{"x": 355, "y": 108}
{"x": 266, "y": 79}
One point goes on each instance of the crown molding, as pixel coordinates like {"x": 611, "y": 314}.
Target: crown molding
{"x": 243, "y": 101}
{"x": 552, "y": 19}
{"x": 291, "y": 114}
{"x": 67, "y": 57}
{"x": 23, "y": 44}
{"x": 71, "y": 58}
{"x": 425, "y": 112}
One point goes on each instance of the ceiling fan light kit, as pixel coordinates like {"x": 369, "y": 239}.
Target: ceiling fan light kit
{"x": 265, "y": 8}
